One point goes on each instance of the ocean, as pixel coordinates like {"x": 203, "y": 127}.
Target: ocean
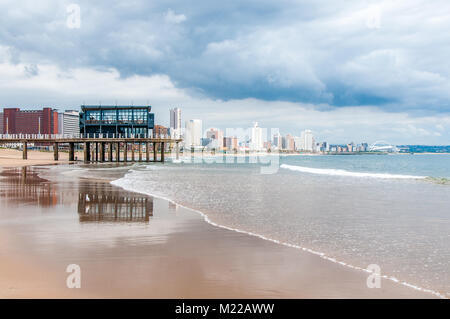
{"x": 357, "y": 210}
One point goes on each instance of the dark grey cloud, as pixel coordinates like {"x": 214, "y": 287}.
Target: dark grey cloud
{"x": 390, "y": 54}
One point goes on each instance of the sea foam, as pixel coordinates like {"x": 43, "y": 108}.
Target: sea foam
{"x": 341, "y": 172}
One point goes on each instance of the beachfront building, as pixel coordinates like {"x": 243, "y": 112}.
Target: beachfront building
{"x": 290, "y": 142}
{"x": 307, "y": 141}
{"x": 256, "y": 138}
{"x": 193, "y": 133}
{"x": 160, "y": 131}
{"x": 297, "y": 143}
{"x": 231, "y": 143}
{"x": 68, "y": 122}
{"x": 126, "y": 121}
{"x": 216, "y": 137}
{"x": 1, "y": 123}
{"x": 175, "y": 123}
{"x": 277, "y": 141}
{"x": 17, "y": 121}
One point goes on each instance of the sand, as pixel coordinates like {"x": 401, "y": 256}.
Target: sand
{"x": 160, "y": 250}
{"x": 13, "y": 158}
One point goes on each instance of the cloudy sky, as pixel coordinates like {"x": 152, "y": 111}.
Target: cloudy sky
{"x": 349, "y": 70}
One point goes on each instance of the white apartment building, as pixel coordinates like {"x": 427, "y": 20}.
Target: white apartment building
{"x": 193, "y": 133}
{"x": 307, "y": 141}
{"x": 256, "y": 138}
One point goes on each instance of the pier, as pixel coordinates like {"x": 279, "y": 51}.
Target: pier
{"x": 99, "y": 149}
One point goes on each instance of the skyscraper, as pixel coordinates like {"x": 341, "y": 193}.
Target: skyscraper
{"x": 307, "y": 141}
{"x": 175, "y": 122}
{"x": 277, "y": 140}
{"x": 290, "y": 143}
{"x": 193, "y": 133}
{"x": 256, "y": 138}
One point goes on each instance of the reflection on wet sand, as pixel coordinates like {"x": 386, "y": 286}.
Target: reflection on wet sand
{"x": 25, "y": 186}
{"x": 97, "y": 203}
{"x": 124, "y": 255}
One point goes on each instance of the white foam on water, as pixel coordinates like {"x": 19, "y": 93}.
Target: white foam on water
{"x": 127, "y": 182}
{"x": 341, "y": 172}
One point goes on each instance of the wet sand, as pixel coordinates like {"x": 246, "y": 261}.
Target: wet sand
{"x": 134, "y": 246}
{"x": 13, "y": 158}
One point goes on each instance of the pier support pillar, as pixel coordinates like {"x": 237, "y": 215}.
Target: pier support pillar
{"x": 25, "y": 151}
{"x": 125, "y": 152}
{"x": 162, "y": 152}
{"x": 118, "y": 152}
{"x": 132, "y": 150}
{"x": 55, "y": 151}
{"x": 140, "y": 151}
{"x": 92, "y": 153}
{"x": 71, "y": 152}
{"x": 87, "y": 152}
{"x": 96, "y": 151}
{"x": 155, "y": 149}
{"x": 147, "y": 152}
{"x": 178, "y": 150}
{"x": 102, "y": 151}
{"x": 110, "y": 146}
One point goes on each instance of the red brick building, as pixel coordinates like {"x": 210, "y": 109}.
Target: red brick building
{"x": 16, "y": 121}
{"x": 160, "y": 131}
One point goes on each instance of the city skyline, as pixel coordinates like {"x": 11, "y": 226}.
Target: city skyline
{"x": 254, "y": 67}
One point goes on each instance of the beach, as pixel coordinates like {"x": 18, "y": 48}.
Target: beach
{"x": 13, "y": 158}
{"x": 130, "y": 245}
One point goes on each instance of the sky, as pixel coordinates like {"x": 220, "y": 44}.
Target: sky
{"x": 361, "y": 71}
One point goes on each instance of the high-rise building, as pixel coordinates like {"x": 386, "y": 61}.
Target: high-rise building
{"x": 193, "y": 133}
{"x": 216, "y": 137}
{"x": 231, "y": 143}
{"x": 290, "y": 143}
{"x": 297, "y": 143}
{"x": 307, "y": 141}
{"x": 1, "y": 123}
{"x": 69, "y": 122}
{"x": 256, "y": 138}
{"x": 16, "y": 121}
{"x": 175, "y": 122}
{"x": 277, "y": 141}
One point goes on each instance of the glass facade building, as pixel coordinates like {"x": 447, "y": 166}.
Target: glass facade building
{"x": 119, "y": 121}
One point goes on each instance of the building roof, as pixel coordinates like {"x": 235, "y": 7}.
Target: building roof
{"x": 114, "y": 107}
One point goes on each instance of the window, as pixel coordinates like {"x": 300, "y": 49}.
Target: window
{"x": 92, "y": 117}
{"x": 109, "y": 117}
{"x": 140, "y": 116}
{"x": 125, "y": 116}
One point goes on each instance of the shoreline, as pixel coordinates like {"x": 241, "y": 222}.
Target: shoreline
{"x": 206, "y": 218}
{"x": 263, "y": 247}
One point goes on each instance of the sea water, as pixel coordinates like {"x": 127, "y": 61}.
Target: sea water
{"x": 389, "y": 210}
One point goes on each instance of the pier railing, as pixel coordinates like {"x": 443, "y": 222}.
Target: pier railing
{"x": 75, "y": 136}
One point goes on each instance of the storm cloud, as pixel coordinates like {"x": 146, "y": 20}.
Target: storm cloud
{"x": 389, "y": 56}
